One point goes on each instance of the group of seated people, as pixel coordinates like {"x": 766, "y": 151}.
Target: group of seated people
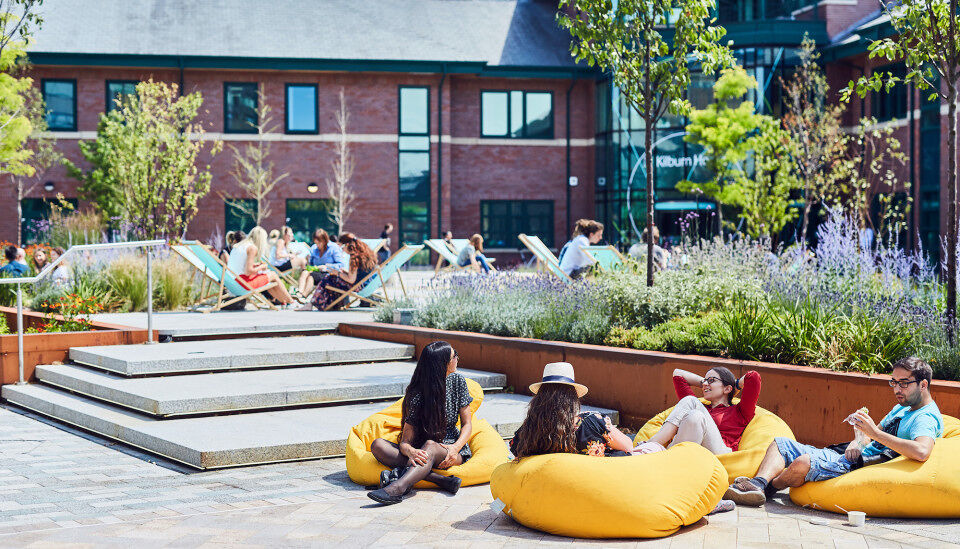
{"x": 437, "y": 398}
{"x": 17, "y": 266}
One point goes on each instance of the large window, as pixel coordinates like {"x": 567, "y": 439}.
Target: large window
{"x": 413, "y": 164}
{"x": 36, "y": 212}
{"x": 239, "y": 214}
{"x": 305, "y": 215}
{"x": 890, "y": 104}
{"x": 240, "y": 107}
{"x": 517, "y": 114}
{"x": 117, "y": 90}
{"x": 502, "y": 220}
{"x": 302, "y": 108}
{"x": 61, "y": 99}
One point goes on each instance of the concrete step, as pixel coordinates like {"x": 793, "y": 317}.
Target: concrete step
{"x": 237, "y": 354}
{"x": 181, "y": 325}
{"x": 246, "y": 390}
{"x": 231, "y": 440}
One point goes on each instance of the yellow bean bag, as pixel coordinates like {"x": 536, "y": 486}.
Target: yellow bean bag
{"x": 757, "y": 436}
{"x": 900, "y": 488}
{"x": 485, "y": 443}
{"x": 647, "y": 496}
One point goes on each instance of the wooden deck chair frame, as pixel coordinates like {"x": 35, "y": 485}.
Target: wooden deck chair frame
{"x": 256, "y": 294}
{"x": 352, "y": 296}
{"x": 435, "y": 244}
{"x": 284, "y": 275}
{"x": 591, "y": 250}
{"x": 545, "y": 262}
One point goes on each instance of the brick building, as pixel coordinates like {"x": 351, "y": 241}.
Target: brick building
{"x": 465, "y": 115}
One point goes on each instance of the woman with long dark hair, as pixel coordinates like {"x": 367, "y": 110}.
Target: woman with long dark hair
{"x": 435, "y": 399}
{"x": 362, "y": 261}
{"x": 555, "y": 424}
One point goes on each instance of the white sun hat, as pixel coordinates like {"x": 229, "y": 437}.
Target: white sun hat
{"x": 559, "y": 373}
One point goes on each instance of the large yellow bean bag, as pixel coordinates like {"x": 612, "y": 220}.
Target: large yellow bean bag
{"x": 485, "y": 443}
{"x": 900, "y": 488}
{"x": 757, "y": 436}
{"x": 646, "y": 496}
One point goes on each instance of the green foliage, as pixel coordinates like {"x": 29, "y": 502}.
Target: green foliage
{"x": 97, "y": 185}
{"x": 15, "y": 124}
{"x": 148, "y": 147}
{"x": 66, "y": 227}
{"x": 686, "y": 335}
{"x": 127, "y": 276}
{"x": 3, "y": 325}
{"x": 173, "y": 282}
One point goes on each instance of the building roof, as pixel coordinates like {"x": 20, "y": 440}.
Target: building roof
{"x": 499, "y": 33}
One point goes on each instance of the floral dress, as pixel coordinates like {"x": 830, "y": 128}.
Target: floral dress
{"x": 458, "y": 396}
{"x": 593, "y": 436}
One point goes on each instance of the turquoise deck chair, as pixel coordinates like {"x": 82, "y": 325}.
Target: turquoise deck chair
{"x": 365, "y": 289}
{"x": 215, "y": 271}
{"x": 375, "y": 243}
{"x": 607, "y": 257}
{"x": 545, "y": 257}
{"x": 445, "y": 254}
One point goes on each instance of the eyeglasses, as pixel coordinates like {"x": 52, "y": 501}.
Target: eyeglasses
{"x": 710, "y": 380}
{"x": 903, "y": 383}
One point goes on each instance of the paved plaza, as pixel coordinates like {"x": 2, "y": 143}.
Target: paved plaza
{"x": 62, "y": 488}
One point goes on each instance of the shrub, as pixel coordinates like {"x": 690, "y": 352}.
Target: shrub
{"x": 127, "y": 276}
{"x": 173, "y": 287}
{"x": 688, "y": 335}
{"x": 172, "y": 282}
{"x": 4, "y": 329}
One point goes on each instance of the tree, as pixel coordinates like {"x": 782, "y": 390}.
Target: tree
{"x": 724, "y": 133}
{"x": 17, "y": 18}
{"x": 647, "y": 45}
{"x": 928, "y": 43}
{"x": 252, "y": 169}
{"x": 97, "y": 184}
{"x": 15, "y": 125}
{"x": 44, "y": 153}
{"x": 763, "y": 192}
{"x": 148, "y": 147}
{"x": 816, "y": 137}
{"x": 339, "y": 188}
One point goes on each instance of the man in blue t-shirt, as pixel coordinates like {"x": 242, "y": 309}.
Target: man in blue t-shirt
{"x": 910, "y": 430}
{"x": 16, "y": 263}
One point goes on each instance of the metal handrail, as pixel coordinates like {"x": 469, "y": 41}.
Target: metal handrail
{"x": 49, "y": 268}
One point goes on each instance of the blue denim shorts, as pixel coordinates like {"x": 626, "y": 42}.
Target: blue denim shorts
{"x": 825, "y": 464}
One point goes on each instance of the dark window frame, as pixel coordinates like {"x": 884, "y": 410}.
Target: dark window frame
{"x": 108, "y": 99}
{"x": 523, "y": 108}
{"x": 286, "y": 108}
{"x": 43, "y": 93}
{"x": 226, "y": 106}
{"x": 893, "y": 104}
{"x": 329, "y": 227}
{"x": 428, "y": 151}
{"x": 547, "y": 238}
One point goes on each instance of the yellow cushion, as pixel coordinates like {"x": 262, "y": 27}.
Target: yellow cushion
{"x": 757, "y": 436}
{"x": 901, "y": 487}
{"x": 582, "y": 496}
{"x": 485, "y": 443}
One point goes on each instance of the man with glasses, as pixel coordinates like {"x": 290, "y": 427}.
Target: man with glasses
{"x": 908, "y": 430}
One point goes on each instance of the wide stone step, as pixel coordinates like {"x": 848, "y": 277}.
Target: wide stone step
{"x": 246, "y": 390}
{"x": 237, "y": 354}
{"x": 236, "y": 439}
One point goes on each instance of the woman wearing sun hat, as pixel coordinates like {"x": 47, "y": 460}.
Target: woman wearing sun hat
{"x": 555, "y": 424}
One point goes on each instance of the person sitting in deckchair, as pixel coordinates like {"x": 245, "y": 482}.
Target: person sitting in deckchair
{"x": 251, "y": 273}
{"x": 573, "y": 260}
{"x": 362, "y": 262}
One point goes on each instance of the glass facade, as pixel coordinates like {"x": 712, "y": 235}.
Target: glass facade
{"x": 621, "y": 184}
{"x": 736, "y": 11}
{"x": 516, "y": 114}
{"x": 929, "y": 191}
{"x": 61, "y": 99}
{"x": 305, "y": 215}
{"x": 301, "y": 108}
{"x": 239, "y": 214}
{"x": 413, "y": 164}
{"x": 116, "y": 90}
{"x": 240, "y": 107}
{"x": 502, "y": 220}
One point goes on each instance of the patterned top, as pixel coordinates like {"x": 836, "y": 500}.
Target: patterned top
{"x": 593, "y": 436}
{"x": 458, "y": 396}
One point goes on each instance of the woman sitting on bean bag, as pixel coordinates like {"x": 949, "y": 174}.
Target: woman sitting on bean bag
{"x": 554, "y": 423}
{"x": 717, "y": 428}
{"x": 429, "y": 439}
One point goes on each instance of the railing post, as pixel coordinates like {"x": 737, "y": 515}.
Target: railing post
{"x": 20, "y": 333}
{"x": 149, "y": 298}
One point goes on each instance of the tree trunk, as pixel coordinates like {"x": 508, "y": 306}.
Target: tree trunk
{"x": 19, "y": 212}
{"x": 806, "y": 220}
{"x": 951, "y": 205}
{"x": 648, "y": 158}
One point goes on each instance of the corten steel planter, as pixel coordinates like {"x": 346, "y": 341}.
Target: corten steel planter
{"x": 813, "y": 401}
{"x": 52, "y": 347}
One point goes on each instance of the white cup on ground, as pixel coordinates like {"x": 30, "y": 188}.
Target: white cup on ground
{"x": 856, "y": 518}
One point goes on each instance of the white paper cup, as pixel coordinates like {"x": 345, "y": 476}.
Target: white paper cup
{"x": 856, "y": 518}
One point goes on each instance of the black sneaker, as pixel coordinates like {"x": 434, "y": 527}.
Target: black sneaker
{"x": 381, "y": 496}
{"x": 451, "y": 484}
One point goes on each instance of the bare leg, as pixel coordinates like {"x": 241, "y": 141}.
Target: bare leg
{"x": 773, "y": 463}
{"x": 794, "y": 475}
{"x": 278, "y": 291}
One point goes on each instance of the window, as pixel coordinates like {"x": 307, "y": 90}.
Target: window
{"x": 890, "y": 104}
{"x": 117, "y": 90}
{"x": 302, "y": 108}
{"x": 413, "y": 164}
{"x": 61, "y": 99}
{"x": 305, "y": 215}
{"x": 240, "y": 108}
{"x": 36, "y": 211}
{"x": 239, "y": 214}
{"x": 502, "y": 220}
{"x": 516, "y": 114}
